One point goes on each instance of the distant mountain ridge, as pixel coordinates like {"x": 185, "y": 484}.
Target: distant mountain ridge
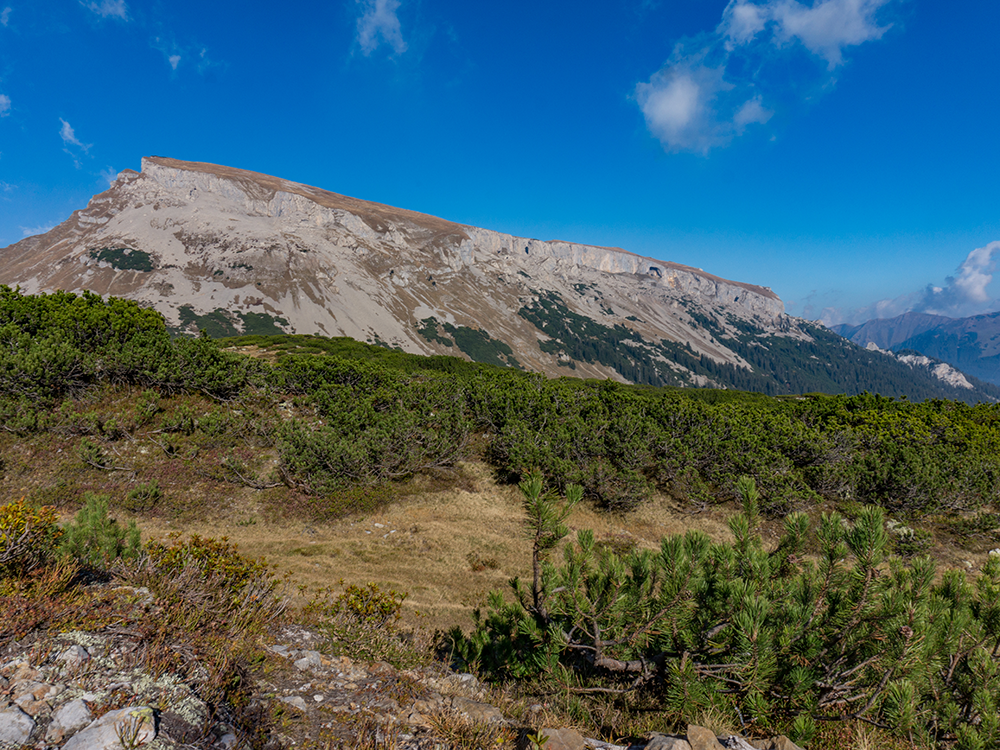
{"x": 971, "y": 344}
{"x": 232, "y": 251}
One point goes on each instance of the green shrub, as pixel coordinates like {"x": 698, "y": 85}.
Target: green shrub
{"x": 363, "y": 623}
{"x": 371, "y": 425}
{"x": 143, "y": 497}
{"x": 766, "y": 634}
{"x": 94, "y": 539}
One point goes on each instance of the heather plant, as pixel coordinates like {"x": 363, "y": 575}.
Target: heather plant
{"x": 28, "y": 538}
{"x": 363, "y": 622}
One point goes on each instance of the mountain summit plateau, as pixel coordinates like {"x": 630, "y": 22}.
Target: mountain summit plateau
{"x": 233, "y": 251}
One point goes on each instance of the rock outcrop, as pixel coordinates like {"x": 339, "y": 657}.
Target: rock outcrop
{"x": 211, "y": 245}
{"x": 82, "y": 691}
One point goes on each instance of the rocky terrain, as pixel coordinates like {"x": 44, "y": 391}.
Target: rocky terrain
{"x": 82, "y": 691}
{"x": 207, "y": 244}
{"x": 233, "y": 252}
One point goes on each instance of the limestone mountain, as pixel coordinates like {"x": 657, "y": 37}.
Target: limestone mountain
{"x": 232, "y": 251}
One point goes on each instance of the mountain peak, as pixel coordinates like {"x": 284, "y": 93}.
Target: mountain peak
{"x": 233, "y": 251}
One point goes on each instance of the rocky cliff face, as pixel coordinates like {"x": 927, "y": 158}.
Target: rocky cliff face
{"x": 238, "y": 251}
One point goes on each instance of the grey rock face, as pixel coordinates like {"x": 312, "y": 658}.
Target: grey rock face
{"x": 241, "y": 242}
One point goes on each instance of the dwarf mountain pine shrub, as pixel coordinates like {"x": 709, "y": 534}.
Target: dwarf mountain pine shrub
{"x": 776, "y": 637}
{"x": 95, "y": 540}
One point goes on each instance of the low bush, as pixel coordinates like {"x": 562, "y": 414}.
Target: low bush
{"x": 768, "y": 635}
{"x": 29, "y": 538}
{"x": 95, "y": 540}
{"x": 362, "y": 622}
{"x": 143, "y": 497}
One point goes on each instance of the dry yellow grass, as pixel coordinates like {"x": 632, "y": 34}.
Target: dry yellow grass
{"x": 445, "y": 548}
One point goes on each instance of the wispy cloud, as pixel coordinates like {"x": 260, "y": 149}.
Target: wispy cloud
{"x": 68, "y": 135}
{"x": 108, "y": 9}
{"x": 4, "y": 105}
{"x": 186, "y": 56}
{"x": 109, "y": 175}
{"x": 30, "y": 231}
{"x": 718, "y": 84}
{"x": 379, "y": 24}
{"x": 5, "y": 16}
{"x": 71, "y": 144}
{"x": 965, "y": 293}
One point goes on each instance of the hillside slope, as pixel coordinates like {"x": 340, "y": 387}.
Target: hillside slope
{"x": 971, "y": 344}
{"x": 231, "y": 251}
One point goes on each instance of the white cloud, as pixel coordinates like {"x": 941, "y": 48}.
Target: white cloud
{"x": 747, "y": 54}
{"x": 30, "y": 231}
{"x": 192, "y": 56}
{"x": 5, "y": 16}
{"x": 678, "y": 106}
{"x": 741, "y": 22}
{"x": 108, "y": 9}
{"x": 829, "y": 25}
{"x": 964, "y": 294}
{"x": 379, "y": 23}
{"x": 967, "y": 289}
{"x": 4, "y": 105}
{"x": 751, "y": 112}
{"x": 109, "y": 175}
{"x": 68, "y": 135}
{"x": 71, "y": 144}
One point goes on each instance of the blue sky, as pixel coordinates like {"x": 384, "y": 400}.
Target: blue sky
{"x": 841, "y": 152}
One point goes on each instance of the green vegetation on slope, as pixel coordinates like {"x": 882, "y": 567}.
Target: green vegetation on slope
{"x": 366, "y": 415}
{"x": 476, "y": 343}
{"x": 221, "y": 323}
{"x": 813, "y": 360}
{"x": 698, "y": 627}
{"x": 124, "y": 258}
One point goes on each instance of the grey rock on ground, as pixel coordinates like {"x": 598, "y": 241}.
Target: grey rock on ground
{"x": 700, "y": 738}
{"x": 563, "y": 739}
{"x": 15, "y": 726}
{"x": 134, "y": 724}
{"x": 667, "y": 742}
{"x": 781, "y": 742}
{"x": 71, "y": 718}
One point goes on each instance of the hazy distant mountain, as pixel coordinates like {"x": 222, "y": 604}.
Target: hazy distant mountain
{"x": 888, "y": 333}
{"x": 231, "y": 251}
{"x": 970, "y": 344}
